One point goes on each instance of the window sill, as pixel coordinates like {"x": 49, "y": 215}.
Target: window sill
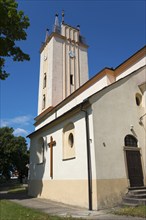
{"x": 71, "y": 158}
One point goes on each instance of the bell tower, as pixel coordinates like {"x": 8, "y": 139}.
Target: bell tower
{"x": 63, "y": 64}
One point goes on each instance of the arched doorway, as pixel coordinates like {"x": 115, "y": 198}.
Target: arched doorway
{"x": 133, "y": 158}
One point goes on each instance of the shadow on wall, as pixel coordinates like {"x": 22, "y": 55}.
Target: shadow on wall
{"x": 38, "y": 151}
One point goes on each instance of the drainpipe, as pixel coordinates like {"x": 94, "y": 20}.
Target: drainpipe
{"x": 89, "y": 170}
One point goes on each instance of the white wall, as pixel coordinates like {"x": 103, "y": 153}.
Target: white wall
{"x": 114, "y": 111}
{"x": 80, "y": 98}
{"x": 64, "y": 169}
{"x": 97, "y": 86}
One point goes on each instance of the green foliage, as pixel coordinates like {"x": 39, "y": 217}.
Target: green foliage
{"x": 12, "y": 28}
{"x": 13, "y": 153}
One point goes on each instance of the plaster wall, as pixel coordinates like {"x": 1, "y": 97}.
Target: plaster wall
{"x": 88, "y": 92}
{"x": 103, "y": 82}
{"x": 40, "y": 91}
{"x": 46, "y": 67}
{"x": 70, "y": 177}
{"x": 114, "y": 111}
{"x": 144, "y": 100}
{"x": 49, "y": 69}
{"x": 71, "y": 192}
{"x": 83, "y": 62}
{"x": 69, "y": 169}
{"x": 57, "y": 71}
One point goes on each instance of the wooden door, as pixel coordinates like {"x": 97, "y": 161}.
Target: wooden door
{"x": 134, "y": 168}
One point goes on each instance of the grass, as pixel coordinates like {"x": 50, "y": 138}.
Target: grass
{"x": 10, "y": 211}
{"x": 17, "y": 189}
{"x": 139, "y": 211}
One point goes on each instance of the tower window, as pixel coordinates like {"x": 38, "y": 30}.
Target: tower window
{"x": 44, "y": 102}
{"x": 71, "y": 79}
{"x": 45, "y": 80}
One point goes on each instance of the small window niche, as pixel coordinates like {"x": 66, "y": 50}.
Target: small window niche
{"x": 68, "y": 142}
{"x": 71, "y": 79}
{"x": 138, "y": 99}
{"x": 44, "y": 102}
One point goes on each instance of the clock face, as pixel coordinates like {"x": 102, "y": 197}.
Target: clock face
{"x": 45, "y": 57}
{"x": 71, "y": 54}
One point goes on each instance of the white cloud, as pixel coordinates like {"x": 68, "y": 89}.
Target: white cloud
{"x": 20, "y": 124}
{"x": 20, "y": 120}
{"x": 20, "y": 132}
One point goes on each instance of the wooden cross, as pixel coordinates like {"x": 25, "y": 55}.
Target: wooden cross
{"x": 51, "y": 155}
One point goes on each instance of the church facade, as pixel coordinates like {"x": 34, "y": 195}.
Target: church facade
{"x": 88, "y": 146}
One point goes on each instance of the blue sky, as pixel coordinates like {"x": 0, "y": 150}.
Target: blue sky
{"x": 114, "y": 30}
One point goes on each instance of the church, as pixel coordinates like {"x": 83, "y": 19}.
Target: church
{"x": 88, "y": 148}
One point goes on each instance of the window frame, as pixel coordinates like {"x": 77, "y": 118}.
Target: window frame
{"x": 68, "y": 147}
{"x": 131, "y": 142}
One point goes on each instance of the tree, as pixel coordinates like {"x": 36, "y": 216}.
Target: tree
{"x": 12, "y": 28}
{"x": 13, "y": 153}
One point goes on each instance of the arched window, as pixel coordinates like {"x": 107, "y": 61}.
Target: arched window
{"x": 40, "y": 150}
{"x": 130, "y": 141}
{"x": 68, "y": 141}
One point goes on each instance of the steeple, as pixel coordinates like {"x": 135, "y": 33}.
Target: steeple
{"x": 78, "y": 27}
{"x": 62, "y": 16}
{"x": 63, "y": 64}
{"x": 56, "y": 24}
{"x": 47, "y": 34}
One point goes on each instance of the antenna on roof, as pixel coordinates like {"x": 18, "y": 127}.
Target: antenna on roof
{"x": 62, "y": 16}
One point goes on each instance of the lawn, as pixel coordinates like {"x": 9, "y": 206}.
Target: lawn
{"x": 17, "y": 189}
{"x": 12, "y": 211}
{"x": 139, "y": 211}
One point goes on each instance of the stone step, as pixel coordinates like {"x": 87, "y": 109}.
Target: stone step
{"x": 137, "y": 188}
{"x": 136, "y": 196}
{"x": 135, "y": 201}
{"x": 137, "y": 191}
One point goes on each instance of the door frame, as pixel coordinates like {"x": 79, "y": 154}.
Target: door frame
{"x": 126, "y": 148}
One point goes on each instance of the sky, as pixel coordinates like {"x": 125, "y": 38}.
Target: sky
{"x": 114, "y": 31}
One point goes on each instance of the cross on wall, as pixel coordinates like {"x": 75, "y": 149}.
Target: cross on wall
{"x": 51, "y": 144}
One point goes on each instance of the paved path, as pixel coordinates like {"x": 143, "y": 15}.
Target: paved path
{"x": 59, "y": 209}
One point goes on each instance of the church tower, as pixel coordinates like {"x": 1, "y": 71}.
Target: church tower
{"x": 63, "y": 64}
